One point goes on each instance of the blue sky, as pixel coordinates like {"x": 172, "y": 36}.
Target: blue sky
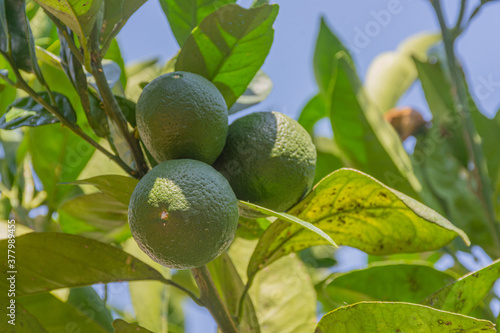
{"x": 289, "y": 64}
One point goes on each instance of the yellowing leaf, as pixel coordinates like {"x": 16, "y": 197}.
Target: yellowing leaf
{"x": 356, "y": 210}
{"x": 399, "y": 317}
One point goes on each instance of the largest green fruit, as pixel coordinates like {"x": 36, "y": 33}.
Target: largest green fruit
{"x": 269, "y": 160}
{"x": 182, "y": 115}
{"x": 183, "y": 214}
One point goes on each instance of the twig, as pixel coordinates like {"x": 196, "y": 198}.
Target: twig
{"x": 241, "y": 303}
{"x": 111, "y": 106}
{"x": 184, "y": 290}
{"x": 463, "y": 6}
{"x": 471, "y": 137}
{"x": 21, "y": 84}
{"x": 211, "y": 300}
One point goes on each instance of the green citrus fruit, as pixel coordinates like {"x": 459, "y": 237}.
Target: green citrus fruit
{"x": 269, "y": 160}
{"x": 183, "y": 214}
{"x": 182, "y": 115}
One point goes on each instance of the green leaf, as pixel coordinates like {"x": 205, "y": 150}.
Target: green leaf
{"x": 74, "y": 261}
{"x": 184, "y": 15}
{"x": 117, "y": 187}
{"x": 7, "y": 92}
{"x": 78, "y": 309}
{"x": 230, "y": 286}
{"x": 95, "y": 216}
{"x": 365, "y": 137}
{"x": 384, "y": 281}
{"x": 116, "y": 14}
{"x": 121, "y": 326}
{"x": 391, "y": 73}
{"x": 259, "y": 88}
{"x": 443, "y": 174}
{"x": 257, "y": 3}
{"x": 314, "y": 110}
{"x": 398, "y": 317}
{"x": 291, "y": 219}
{"x": 16, "y": 38}
{"x": 326, "y": 54}
{"x": 229, "y": 47}
{"x": 283, "y": 294}
{"x": 149, "y": 298}
{"x": 58, "y": 155}
{"x": 464, "y": 295}
{"x": 328, "y": 158}
{"x": 128, "y": 109}
{"x": 78, "y": 15}
{"x": 359, "y": 211}
{"x": 27, "y": 112}
{"x": 24, "y": 321}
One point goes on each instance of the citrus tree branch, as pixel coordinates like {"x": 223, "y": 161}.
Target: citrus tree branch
{"x": 21, "y": 84}
{"x": 471, "y": 136}
{"x": 184, "y": 290}
{"x": 211, "y": 300}
{"x": 112, "y": 108}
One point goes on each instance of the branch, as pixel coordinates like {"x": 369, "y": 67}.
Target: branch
{"x": 211, "y": 300}
{"x": 184, "y": 290}
{"x": 471, "y": 137}
{"x": 21, "y": 84}
{"x": 111, "y": 106}
{"x": 463, "y": 6}
{"x": 243, "y": 297}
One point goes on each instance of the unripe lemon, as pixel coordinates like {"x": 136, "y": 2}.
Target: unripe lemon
{"x": 269, "y": 160}
{"x": 183, "y": 214}
{"x": 182, "y": 115}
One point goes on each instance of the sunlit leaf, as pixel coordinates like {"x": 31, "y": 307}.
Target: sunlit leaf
{"x": 402, "y": 317}
{"x": 116, "y": 14}
{"x": 291, "y": 219}
{"x": 359, "y": 211}
{"x": 78, "y": 15}
{"x": 229, "y": 47}
{"x": 464, "y": 295}
{"x": 184, "y": 15}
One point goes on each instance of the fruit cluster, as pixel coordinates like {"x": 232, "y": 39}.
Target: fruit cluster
{"x": 184, "y": 212}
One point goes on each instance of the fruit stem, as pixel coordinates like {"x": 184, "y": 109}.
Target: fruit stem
{"x": 210, "y": 299}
